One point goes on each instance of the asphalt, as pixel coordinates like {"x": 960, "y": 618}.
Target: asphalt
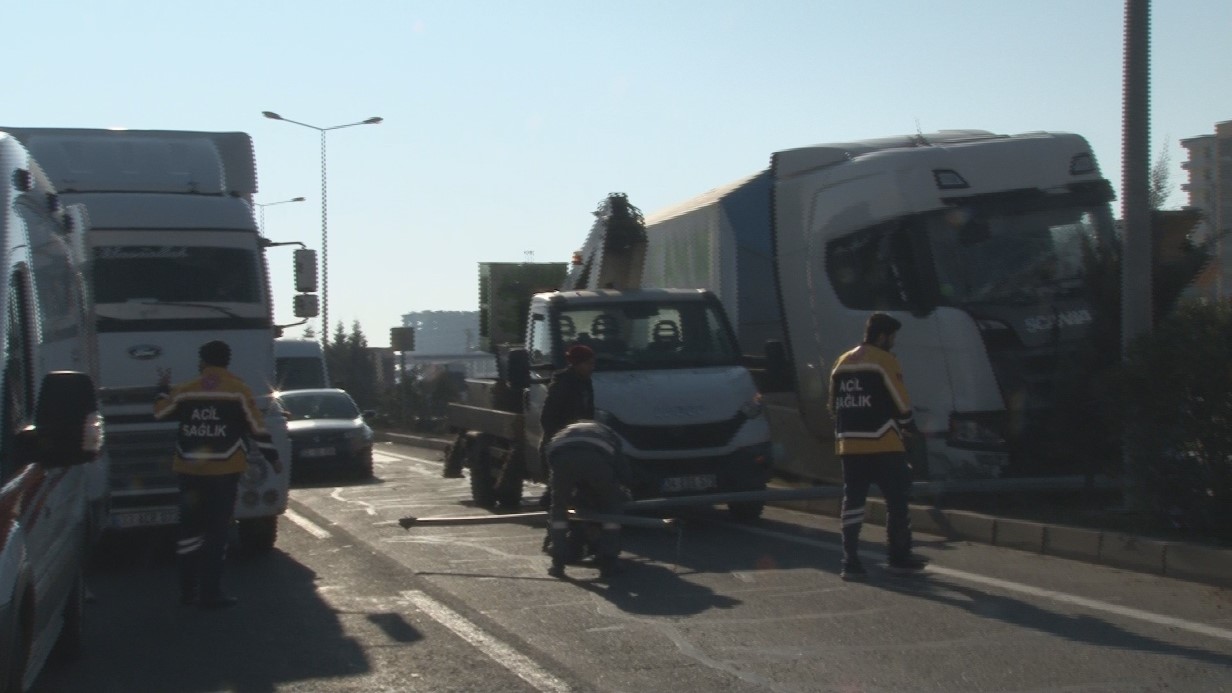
{"x": 1189, "y": 561}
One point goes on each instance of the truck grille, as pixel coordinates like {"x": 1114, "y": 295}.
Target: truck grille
{"x": 141, "y": 460}
{"x": 715, "y": 434}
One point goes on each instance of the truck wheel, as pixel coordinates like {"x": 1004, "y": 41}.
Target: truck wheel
{"x": 483, "y": 482}
{"x": 509, "y": 484}
{"x": 746, "y": 511}
{"x": 258, "y": 534}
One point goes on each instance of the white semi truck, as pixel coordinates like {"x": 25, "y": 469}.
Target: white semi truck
{"x": 173, "y": 259}
{"x": 974, "y": 241}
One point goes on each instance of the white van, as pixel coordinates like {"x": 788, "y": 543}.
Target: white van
{"x": 50, "y": 429}
{"x": 299, "y": 364}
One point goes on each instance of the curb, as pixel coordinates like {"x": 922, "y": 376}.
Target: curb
{"x": 420, "y": 441}
{"x": 1180, "y": 560}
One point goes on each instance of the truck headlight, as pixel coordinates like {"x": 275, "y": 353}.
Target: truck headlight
{"x": 752, "y": 408}
{"x": 257, "y": 473}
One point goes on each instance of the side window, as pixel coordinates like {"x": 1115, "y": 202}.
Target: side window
{"x": 540, "y": 340}
{"x": 865, "y": 269}
{"x": 16, "y": 385}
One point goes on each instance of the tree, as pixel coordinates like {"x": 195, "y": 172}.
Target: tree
{"x": 1161, "y": 177}
{"x": 350, "y": 365}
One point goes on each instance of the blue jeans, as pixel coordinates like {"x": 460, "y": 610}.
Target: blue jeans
{"x": 889, "y": 470}
{"x": 207, "y": 507}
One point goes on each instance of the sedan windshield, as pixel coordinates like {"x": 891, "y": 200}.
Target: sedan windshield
{"x": 318, "y": 405}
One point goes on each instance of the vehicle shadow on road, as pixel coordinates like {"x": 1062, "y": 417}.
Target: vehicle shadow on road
{"x": 281, "y": 632}
{"x": 1017, "y": 613}
{"x": 648, "y": 589}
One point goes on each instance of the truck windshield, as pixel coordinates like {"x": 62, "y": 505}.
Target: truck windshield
{"x": 1007, "y": 256}
{"x": 175, "y": 274}
{"x": 649, "y": 335}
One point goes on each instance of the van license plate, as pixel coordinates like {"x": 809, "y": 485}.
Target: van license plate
{"x": 697, "y": 482}
{"x": 317, "y": 452}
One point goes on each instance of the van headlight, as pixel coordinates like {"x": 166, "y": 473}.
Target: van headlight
{"x": 752, "y": 408}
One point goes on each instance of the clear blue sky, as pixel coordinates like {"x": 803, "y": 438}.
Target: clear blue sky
{"x": 507, "y": 122}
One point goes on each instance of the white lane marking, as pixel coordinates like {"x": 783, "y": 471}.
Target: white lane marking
{"x": 308, "y": 525}
{"x": 1007, "y": 585}
{"x": 502, "y": 654}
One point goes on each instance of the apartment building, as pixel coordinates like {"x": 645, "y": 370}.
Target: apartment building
{"x": 1209, "y": 167}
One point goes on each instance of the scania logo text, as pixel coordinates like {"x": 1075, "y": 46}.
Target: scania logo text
{"x": 144, "y": 352}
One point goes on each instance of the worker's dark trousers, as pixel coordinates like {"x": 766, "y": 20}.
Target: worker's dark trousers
{"x": 889, "y": 470}
{"x": 207, "y": 506}
{"x": 588, "y": 471}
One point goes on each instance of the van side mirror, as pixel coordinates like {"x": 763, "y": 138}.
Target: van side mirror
{"x": 68, "y": 429}
{"x": 518, "y": 369}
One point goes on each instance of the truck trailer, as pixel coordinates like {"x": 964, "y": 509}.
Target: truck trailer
{"x": 173, "y": 259}
{"x": 974, "y": 241}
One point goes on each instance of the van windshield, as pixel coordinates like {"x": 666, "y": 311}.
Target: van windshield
{"x": 299, "y": 373}
{"x": 649, "y": 334}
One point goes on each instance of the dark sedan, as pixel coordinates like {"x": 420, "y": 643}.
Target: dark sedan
{"x": 328, "y": 432}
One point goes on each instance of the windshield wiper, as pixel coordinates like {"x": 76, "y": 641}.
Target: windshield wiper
{"x": 186, "y": 304}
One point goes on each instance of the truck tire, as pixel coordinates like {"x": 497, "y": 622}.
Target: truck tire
{"x": 746, "y": 511}
{"x": 483, "y": 474}
{"x": 258, "y": 534}
{"x": 509, "y": 483}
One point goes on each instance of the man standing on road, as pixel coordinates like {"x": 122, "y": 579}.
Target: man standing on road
{"x": 217, "y": 416}
{"x": 570, "y": 398}
{"x": 587, "y": 471}
{"x": 872, "y": 415}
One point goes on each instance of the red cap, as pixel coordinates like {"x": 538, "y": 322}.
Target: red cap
{"x": 579, "y": 353}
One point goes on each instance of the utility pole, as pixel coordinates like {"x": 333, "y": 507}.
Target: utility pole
{"x": 1136, "y": 315}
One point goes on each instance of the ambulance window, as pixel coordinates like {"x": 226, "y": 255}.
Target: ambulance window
{"x": 17, "y": 389}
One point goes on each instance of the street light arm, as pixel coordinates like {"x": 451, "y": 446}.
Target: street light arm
{"x": 267, "y": 243}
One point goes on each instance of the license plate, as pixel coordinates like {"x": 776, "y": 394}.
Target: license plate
{"x": 317, "y": 452}
{"x": 697, "y": 482}
{"x": 146, "y": 518}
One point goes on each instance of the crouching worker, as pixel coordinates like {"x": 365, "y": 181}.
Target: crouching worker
{"x": 587, "y": 471}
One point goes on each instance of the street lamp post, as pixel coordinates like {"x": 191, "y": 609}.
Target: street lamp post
{"x": 324, "y": 213}
{"x": 262, "y": 205}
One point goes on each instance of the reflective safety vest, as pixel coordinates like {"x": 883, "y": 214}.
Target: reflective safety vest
{"x": 217, "y": 416}
{"x": 869, "y": 402}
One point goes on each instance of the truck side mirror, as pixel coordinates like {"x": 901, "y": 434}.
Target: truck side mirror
{"x": 306, "y": 272}
{"x": 306, "y": 306}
